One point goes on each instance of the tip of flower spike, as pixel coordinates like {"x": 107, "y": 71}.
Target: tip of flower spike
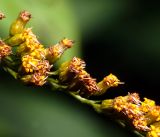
{"x": 25, "y": 15}
{"x": 2, "y": 16}
{"x": 67, "y": 42}
{"x": 112, "y": 81}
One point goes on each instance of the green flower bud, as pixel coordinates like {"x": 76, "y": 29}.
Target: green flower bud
{"x": 20, "y": 23}
{"x": 15, "y": 40}
{"x": 55, "y": 52}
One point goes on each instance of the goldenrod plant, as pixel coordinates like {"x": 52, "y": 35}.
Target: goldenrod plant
{"x": 27, "y": 60}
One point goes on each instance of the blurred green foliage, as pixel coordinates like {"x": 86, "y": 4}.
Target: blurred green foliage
{"x": 52, "y": 20}
{"x": 40, "y": 112}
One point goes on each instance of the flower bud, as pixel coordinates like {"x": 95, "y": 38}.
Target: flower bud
{"x": 15, "y": 40}
{"x": 107, "y": 104}
{"x": 109, "y": 81}
{"x": 69, "y": 70}
{"x": 35, "y": 79}
{"x": 53, "y": 53}
{"x": 20, "y": 23}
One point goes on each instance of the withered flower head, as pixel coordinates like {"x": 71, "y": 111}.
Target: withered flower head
{"x": 71, "y": 69}
{"x": 25, "y": 16}
{"x": 5, "y": 50}
{"x": 36, "y": 79}
{"x": 133, "y": 98}
{"x": 43, "y": 67}
{"x": 76, "y": 65}
{"x": 2, "y": 16}
{"x": 67, "y": 43}
{"x": 129, "y": 106}
{"x": 89, "y": 86}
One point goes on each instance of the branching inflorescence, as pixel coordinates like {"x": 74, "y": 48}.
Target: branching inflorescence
{"x": 26, "y": 59}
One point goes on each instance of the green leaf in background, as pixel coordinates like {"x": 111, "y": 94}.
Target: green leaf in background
{"x": 52, "y": 21}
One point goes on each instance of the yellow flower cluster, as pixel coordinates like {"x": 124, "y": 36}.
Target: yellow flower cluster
{"x": 143, "y": 115}
{"x": 36, "y": 61}
{"x": 155, "y": 130}
{"x": 73, "y": 73}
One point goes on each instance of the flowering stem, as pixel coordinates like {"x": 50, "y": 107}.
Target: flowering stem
{"x": 55, "y": 84}
{"x": 32, "y": 63}
{"x": 92, "y": 103}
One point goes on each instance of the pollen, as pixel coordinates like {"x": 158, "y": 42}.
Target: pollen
{"x": 5, "y": 50}
{"x": 155, "y": 131}
{"x": 29, "y": 63}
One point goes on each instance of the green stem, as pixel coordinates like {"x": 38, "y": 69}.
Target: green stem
{"x": 8, "y": 61}
{"x": 87, "y": 101}
{"x": 55, "y": 84}
{"x": 53, "y": 73}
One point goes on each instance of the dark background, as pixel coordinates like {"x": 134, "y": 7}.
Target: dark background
{"x": 113, "y": 36}
{"x": 128, "y": 47}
